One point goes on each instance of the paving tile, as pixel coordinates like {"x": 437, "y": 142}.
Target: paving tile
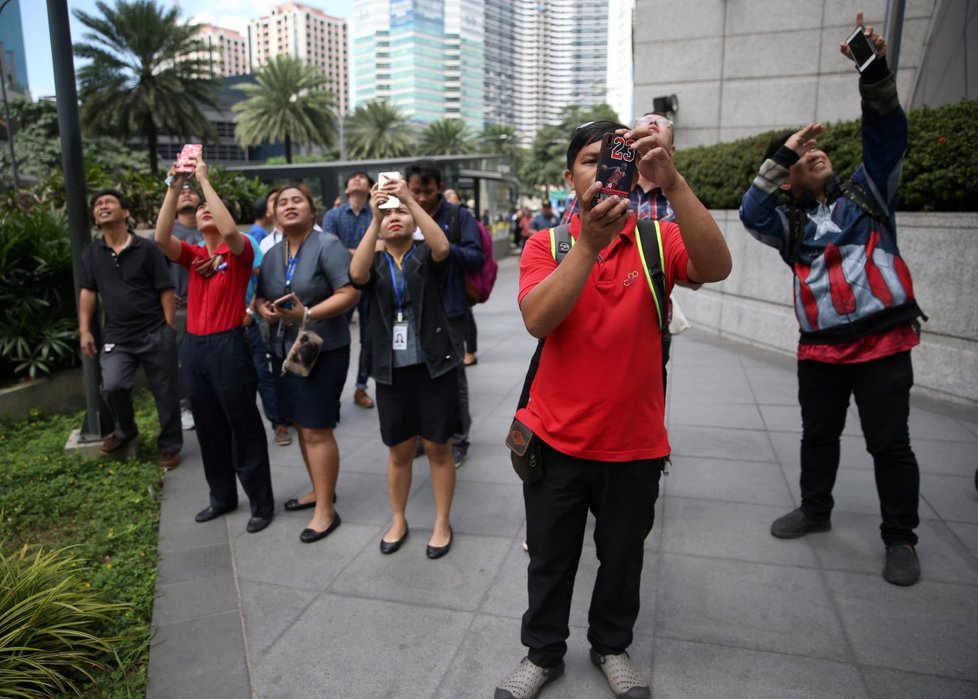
{"x": 201, "y": 657}
{"x": 926, "y": 424}
{"x": 190, "y": 564}
{"x": 269, "y": 611}
{"x": 459, "y": 580}
{"x": 748, "y": 605}
{"x": 706, "y": 671}
{"x": 946, "y": 458}
{"x": 928, "y": 628}
{"x": 967, "y": 534}
{"x": 953, "y": 498}
{"x": 355, "y": 647}
{"x": 711, "y": 413}
{"x": 195, "y": 598}
{"x": 283, "y": 559}
{"x": 855, "y": 491}
{"x": 891, "y": 683}
{"x": 732, "y": 531}
{"x": 488, "y": 509}
{"x": 720, "y": 443}
{"x": 760, "y": 483}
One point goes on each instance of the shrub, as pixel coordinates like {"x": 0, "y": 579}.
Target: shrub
{"x": 37, "y": 328}
{"x": 940, "y": 171}
{"x": 48, "y": 620}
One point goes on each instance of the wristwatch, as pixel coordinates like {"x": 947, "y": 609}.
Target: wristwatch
{"x": 307, "y": 318}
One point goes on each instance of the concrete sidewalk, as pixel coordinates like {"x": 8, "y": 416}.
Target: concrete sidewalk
{"x": 728, "y": 611}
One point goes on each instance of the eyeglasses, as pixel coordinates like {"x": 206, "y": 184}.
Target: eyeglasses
{"x": 661, "y": 122}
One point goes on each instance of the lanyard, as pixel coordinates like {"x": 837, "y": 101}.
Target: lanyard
{"x": 290, "y": 264}
{"x": 398, "y": 289}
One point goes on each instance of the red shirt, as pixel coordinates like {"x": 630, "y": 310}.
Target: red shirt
{"x": 216, "y": 303}
{"x": 598, "y": 391}
{"x": 899, "y": 338}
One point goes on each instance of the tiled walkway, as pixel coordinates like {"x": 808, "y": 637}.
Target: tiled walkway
{"x": 728, "y": 611}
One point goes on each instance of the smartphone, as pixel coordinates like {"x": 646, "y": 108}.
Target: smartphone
{"x": 187, "y": 159}
{"x": 617, "y": 167}
{"x": 382, "y": 179}
{"x": 863, "y": 51}
{"x": 284, "y": 302}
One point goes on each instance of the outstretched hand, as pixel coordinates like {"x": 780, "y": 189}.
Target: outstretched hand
{"x": 878, "y": 42}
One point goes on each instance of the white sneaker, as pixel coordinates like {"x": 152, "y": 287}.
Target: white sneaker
{"x": 186, "y": 419}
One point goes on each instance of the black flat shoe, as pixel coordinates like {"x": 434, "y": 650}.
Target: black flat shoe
{"x": 256, "y": 524}
{"x": 434, "y": 552}
{"x": 392, "y": 546}
{"x": 209, "y": 513}
{"x": 294, "y": 505}
{"x": 307, "y": 536}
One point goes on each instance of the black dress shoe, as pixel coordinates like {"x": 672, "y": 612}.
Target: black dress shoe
{"x": 434, "y": 552}
{"x": 256, "y": 524}
{"x": 307, "y": 536}
{"x": 392, "y": 546}
{"x": 211, "y": 512}
{"x": 294, "y": 505}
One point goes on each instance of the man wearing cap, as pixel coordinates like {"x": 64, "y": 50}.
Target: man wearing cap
{"x": 130, "y": 276}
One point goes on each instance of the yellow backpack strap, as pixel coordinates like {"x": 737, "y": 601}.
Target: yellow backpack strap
{"x": 560, "y": 242}
{"x": 649, "y": 239}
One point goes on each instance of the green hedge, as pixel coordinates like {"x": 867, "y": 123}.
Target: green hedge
{"x": 940, "y": 172}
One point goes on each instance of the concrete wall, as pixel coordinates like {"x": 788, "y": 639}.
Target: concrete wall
{"x": 741, "y": 67}
{"x": 754, "y": 304}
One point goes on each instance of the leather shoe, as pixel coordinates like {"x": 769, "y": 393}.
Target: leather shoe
{"x": 211, "y": 512}
{"x": 114, "y": 442}
{"x": 434, "y": 552}
{"x": 293, "y": 505}
{"x": 256, "y": 524}
{"x": 307, "y": 536}
{"x": 392, "y": 546}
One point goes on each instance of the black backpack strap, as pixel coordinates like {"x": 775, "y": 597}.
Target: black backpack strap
{"x": 863, "y": 199}
{"x": 649, "y": 239}
{"x": 454, "y": 229}
{"x": 797, "y": 217}
{"x": 560, "y": 242}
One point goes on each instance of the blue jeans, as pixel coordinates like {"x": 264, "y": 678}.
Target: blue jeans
{"x": 266, "y": 382}
{"x": 221, "y": 384}
{"x": 881, "y": 388}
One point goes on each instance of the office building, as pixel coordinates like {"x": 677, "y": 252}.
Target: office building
{"x": 228, "y": 50}
{"x": 306, "y": 33}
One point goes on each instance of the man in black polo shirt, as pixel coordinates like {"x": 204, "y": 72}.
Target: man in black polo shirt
{"x": 131, "y": 276}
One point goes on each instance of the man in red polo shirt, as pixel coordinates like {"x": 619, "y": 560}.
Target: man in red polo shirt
{"x": 597, "y": 406}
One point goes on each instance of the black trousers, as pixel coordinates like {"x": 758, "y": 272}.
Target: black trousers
{"x": 881, "y": 388}
{"x": 222, "y": 387}
{"x": 622, "y": 498}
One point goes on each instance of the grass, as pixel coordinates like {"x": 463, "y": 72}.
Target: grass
{"x": 107, "y": 512}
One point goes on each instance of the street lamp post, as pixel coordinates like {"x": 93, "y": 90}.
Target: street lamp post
{"x": 6, "y": 111}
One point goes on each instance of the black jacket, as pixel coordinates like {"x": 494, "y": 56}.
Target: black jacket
{"x": 423, "y": 277}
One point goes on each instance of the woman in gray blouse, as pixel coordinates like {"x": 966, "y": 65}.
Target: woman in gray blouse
{"x": 305, "y": 277}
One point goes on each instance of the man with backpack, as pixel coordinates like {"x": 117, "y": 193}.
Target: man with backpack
{"x": 596, "y": 408}
{"x": 855, "y": 304}
{"x": 425, "y": 182}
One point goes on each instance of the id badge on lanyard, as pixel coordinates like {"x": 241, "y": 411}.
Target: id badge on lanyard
{"x": 400, "y": 330}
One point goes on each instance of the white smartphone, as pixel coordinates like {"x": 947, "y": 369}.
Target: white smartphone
{"x": 863, "y": 51}
{"x": 382, "y": 179}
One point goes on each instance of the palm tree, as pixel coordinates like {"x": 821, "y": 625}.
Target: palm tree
{"x": 147, "y": 74}
{"x": 498, "y": 138}
{"x": 286, "y": 105}
{"x": 378, "y": 130}
{"x": 446, "y": 137}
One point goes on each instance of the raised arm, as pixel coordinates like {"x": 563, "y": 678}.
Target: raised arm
{"x": 434, "y": 236}
{"x": 551, "y": 301}
{"x": 364, "y": 254}
{"x": 222, "y": 217}
{"x": 163, "y": 235}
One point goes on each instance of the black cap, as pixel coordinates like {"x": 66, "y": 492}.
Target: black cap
{"x": 120, "y": 197}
